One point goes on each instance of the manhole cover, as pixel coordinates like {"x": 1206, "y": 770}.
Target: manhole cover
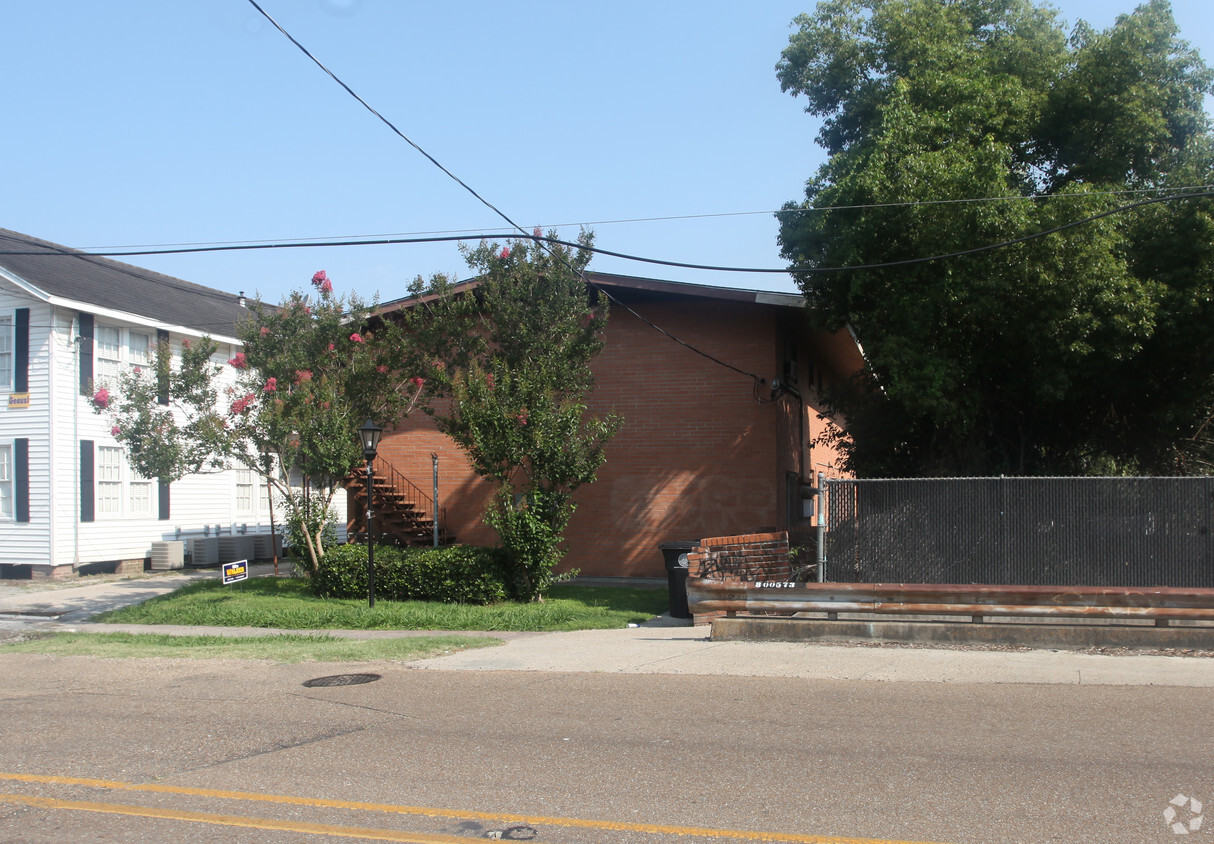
{"x": 342, "y": 680}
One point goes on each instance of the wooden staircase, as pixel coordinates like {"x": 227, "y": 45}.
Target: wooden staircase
{"x": 404, "y": 515}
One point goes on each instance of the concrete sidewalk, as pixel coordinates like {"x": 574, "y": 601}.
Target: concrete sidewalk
{"x": 661, "y": 646}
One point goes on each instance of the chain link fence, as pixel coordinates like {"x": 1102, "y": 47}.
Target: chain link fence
{"x": 1029, "y": 531}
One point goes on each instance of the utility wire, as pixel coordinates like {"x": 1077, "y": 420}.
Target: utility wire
{"x": 669, "y": 218}
{"x": 389, "y": 241}
{"x": 485, "y": 202}
{"x": 383, "y": 119}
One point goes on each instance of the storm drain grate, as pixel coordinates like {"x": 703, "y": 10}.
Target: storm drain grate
{"x": 342, "y": 680}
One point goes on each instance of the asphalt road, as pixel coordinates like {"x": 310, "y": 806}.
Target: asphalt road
{"x": 180, "y": 750}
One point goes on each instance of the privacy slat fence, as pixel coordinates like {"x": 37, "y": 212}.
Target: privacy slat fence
{"x": 1024, "y": 531}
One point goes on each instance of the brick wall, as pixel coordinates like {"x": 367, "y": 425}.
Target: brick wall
{"x": 697, "y": 454}
{"x": 736, "y": 559}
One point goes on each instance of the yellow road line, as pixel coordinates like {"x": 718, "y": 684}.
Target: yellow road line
{"x": 533, "y": 820}
{"x": 236, "y": 820}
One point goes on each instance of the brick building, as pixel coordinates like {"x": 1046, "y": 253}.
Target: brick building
{"x": 703, "y": 451}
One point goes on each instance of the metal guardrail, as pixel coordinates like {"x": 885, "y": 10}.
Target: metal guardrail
{"x": 1161, "y": 604}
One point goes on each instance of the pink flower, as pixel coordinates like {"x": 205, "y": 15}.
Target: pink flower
{"x": 115, "y": 431}
{"x": 536, "y": 232}
{"x": 324, "y": 405}
{"x": 332, "y": 348}
{"x": 521, "y": 417}
{"x": 303, "y": 376}
{"x": 101, "y": 398}
{"x": 356, "y": 337}
{"x": 307, "y": 310}
{"x": 381, "y": 369}
{"x": 239, "y": 362}
{"x": 271, "y": 385}
{"x": 319, "y": 277}
{"x": 417, "y": 381}
{"x": 326, "y": 287}
{"x": 489, "y": 380}
{"x": 505, "y": 253}
{"x": 138, "y": 370}
{"x": 185, "y": 343}
{"x": 265, "y": 331}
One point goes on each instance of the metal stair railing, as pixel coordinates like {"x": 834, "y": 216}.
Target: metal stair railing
{"x": 407, "y": 493}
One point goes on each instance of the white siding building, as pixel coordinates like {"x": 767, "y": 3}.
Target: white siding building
{"x": 69, "y": 500}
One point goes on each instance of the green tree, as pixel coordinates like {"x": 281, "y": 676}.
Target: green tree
{"x": 512, "y": 357}
{"x": 957, "y": 124}
{"x": 309, "y": 373}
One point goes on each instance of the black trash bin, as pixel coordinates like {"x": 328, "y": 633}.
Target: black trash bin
{"x": 675, "y": 556}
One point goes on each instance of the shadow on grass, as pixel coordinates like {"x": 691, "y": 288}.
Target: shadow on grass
{"x": 287, "y": 604}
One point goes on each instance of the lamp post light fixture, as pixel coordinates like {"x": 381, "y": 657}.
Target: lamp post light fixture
{"x": 369, "y": 433}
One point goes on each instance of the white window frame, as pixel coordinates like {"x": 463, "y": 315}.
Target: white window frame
{"x": 109, "y": 481}
{"x": 121, "y": 492}
{"x": 139, "y": 352}
{"x": 117, "y": 348}
{"x": 139, "y": 494}
{"x": 243, "y": 499}
{"x": 8, "y": 334}
{"x": 7, "y": 504}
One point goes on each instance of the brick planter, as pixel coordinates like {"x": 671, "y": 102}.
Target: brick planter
{"x": 736, "y": 559}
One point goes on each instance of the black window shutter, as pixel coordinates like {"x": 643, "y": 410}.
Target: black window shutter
{"x": 21, "y": 368}
{"x": 164, "y": 501}
{"x": 87, "y": 513}
{"x": 21, "y": 478}
{"x": 86, "y": 353}
{"x": 162, "y": 386}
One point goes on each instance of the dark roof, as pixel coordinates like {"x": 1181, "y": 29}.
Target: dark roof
{"x": 635, "y": 287}
{"x": 69, "y": 274}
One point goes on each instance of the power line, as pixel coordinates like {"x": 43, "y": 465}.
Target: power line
{"x": 485, "y": 202}
{"x": 481, "y": 232}
{"x": 393, "y": 241}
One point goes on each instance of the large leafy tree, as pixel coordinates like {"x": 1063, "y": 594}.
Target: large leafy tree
{"x": 956, "y": 124}
{"x": 286, "y": 407}
{"x": 511, "y": 359}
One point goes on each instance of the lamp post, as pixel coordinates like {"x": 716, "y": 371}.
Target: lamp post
{"x": 369, "y": 433}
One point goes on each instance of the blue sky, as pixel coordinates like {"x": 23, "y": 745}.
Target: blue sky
{"x": 148, "y": 122}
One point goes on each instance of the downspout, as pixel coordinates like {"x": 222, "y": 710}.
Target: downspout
{"x": 74, "y": 342}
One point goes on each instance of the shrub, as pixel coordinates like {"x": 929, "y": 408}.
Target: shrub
{"x": 456, "y": 574}
{"x": 530, "y": 531}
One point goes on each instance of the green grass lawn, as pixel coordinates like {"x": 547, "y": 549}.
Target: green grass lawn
{"x": 280, "y": 648}
{"x": 286, "y": 604}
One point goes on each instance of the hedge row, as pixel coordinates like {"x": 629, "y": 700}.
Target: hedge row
{"x": 455, "y": 574}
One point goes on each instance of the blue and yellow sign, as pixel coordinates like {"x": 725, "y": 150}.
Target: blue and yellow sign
{"x": 235, "y": 572}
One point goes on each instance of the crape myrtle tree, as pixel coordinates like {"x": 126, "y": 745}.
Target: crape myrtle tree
{"x": 511, "y": 357}
{"x": 310, "y": 372}
{"x": 952, "y": 124}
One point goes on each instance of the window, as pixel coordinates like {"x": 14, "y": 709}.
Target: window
{"x": 263, "y": 496}
{"x": 139, "y": 495}
{"x": 117, "y": 349}
{"x": 244, "y": 491}
{"x": 140, "y": 349}
{"x": 109, "y": 481}
{"x": 6, "y": 353}
{"x": 6, "y": 481}
{"x": 109, "y": 355}
{"x": 141, "y": 498}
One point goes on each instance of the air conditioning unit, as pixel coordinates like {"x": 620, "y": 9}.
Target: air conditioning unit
{"x": 204, "y": 551}
{"x": 168, "y": 555}
{"x": 233, "y": 548}
{"x": 266, "y": 546}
